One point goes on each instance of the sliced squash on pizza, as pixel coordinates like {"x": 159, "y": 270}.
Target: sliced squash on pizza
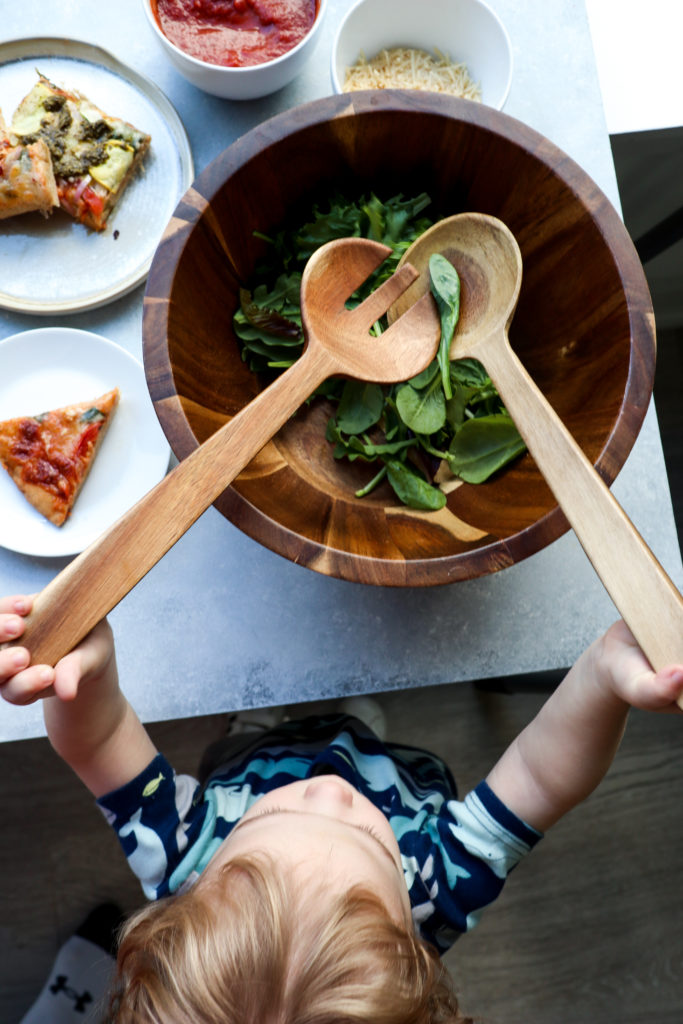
{"x": 94, "y": 155}
{"x": 50, "y": 455}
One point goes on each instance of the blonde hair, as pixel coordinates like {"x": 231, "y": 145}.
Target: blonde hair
{"x": 248, "y": 947}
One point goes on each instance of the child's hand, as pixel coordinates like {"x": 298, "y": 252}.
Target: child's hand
{"x": 23, "y": 683}
{"x": 622, "y": 666}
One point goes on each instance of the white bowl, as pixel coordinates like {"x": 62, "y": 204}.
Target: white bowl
{"x": 467, "y": 31}
{"x": 245, "y": 83}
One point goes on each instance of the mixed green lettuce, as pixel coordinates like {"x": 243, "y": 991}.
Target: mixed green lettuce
{"x": 449, "y": 413}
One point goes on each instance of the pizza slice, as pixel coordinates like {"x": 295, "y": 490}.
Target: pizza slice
{"x": 49, "y": 456}
{"x": 94, "y": 156}
{"x": 27, "y": 181}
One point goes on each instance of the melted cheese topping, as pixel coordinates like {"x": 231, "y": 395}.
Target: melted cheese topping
{"x": 406, "y": 68}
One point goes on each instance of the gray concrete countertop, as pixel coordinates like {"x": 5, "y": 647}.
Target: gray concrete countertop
{"x": 222, "y": 623}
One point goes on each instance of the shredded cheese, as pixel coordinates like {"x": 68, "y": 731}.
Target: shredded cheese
{"x": 405, "y": 68}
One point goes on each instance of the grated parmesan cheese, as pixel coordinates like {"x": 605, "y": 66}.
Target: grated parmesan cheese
{"x": 405, "y": 68}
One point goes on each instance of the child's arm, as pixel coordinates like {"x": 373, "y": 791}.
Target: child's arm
{"x": 562, "y": 755}
{"x": 89, "y": 722}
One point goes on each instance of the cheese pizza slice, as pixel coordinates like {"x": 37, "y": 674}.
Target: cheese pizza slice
{"x": 94, "y": 155}
{"x": 27, "y": 181}
{"x": 49, "y": 456}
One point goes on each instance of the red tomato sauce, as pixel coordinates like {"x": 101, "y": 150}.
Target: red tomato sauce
{"x": 235, "y": 33}
{"x": 51, "y": 470}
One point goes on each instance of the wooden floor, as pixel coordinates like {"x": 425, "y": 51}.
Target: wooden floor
{"x": 587, "y": 931}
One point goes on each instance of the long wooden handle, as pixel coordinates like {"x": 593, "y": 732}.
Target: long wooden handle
{"x": 644, "y": 595}
{"x": 94, "y": 582}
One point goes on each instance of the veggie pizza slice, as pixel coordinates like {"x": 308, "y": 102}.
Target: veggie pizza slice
{"x": 27, "y": 181}
{"x": 49, "y": 456}
{"x": 94, "y": 156}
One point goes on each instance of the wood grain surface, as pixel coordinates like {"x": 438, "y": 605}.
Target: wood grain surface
{"x": 583, "y": 327}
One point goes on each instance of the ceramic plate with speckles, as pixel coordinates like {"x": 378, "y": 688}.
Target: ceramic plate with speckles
{"x": 55, "y": 265}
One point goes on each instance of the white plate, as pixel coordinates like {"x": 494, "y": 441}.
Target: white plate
{"x": 50, "y": 367}
{"x": 59, "y": 266}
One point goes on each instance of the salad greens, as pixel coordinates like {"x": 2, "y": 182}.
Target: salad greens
{"x": 449, "y": 413}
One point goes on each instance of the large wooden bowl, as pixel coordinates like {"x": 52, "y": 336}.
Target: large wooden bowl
{"x": 584, "y": 327}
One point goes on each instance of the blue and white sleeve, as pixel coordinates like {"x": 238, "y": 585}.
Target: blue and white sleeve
{"x": 473, "y": 846}
{"x": 157, "y": 822}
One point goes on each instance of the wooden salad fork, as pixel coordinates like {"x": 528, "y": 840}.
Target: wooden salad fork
{"x": 337, "y": 343}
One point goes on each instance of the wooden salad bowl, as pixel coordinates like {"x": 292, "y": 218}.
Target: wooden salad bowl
{"x": 583, "y": 327}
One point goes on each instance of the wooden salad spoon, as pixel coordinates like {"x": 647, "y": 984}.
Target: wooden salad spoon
{"x": 486, "y": 255}
{"x": 337, "y": 343}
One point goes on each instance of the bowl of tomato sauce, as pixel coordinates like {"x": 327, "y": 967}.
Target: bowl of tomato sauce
{"x": 237, "y": 49}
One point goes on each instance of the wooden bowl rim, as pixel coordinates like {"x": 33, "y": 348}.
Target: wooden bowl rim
{"x": 195, "y": 203}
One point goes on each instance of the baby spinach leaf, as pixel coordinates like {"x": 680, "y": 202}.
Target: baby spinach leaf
{"x": 484, "y": 445}
{"x": 456, "y": 407}
{"x": 469, "y": 371}
{"x": 412, "y": 489}
{"x": 426, "y": 377}
{"x": 360, "y": 406}
{"x": 355, "y": 446}
{"x": 445, "y": 287}
{"x": 423, "y": 411}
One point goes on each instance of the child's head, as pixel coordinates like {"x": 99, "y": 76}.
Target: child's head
{"x": 301, "y": 917}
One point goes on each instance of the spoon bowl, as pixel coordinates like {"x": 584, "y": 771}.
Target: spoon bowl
{"x": 485, "y": 252}
{"x": 489, "y": 264}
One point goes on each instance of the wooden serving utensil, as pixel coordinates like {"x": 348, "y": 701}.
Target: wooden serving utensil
{"x": 337, "y": 343}
{"x": 486, "y": 255}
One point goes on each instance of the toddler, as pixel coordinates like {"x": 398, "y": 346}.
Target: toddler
{"x": 314, "y": 873}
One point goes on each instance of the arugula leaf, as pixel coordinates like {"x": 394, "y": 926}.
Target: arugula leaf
{"x": 341, "y": 221}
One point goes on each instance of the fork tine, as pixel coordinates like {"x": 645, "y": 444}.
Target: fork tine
{"x": 410, "y": 344}
{"x": 338, "y": 268}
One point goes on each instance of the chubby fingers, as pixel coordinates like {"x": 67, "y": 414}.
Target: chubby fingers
{"x": 12, "y": 612}
{"x": 19, "y": 604}
{"x": 654, "y": 691}
{"x": 89, "y": 659}
{"x": 20, "y": 682}
{"x": 668, "y": 688}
